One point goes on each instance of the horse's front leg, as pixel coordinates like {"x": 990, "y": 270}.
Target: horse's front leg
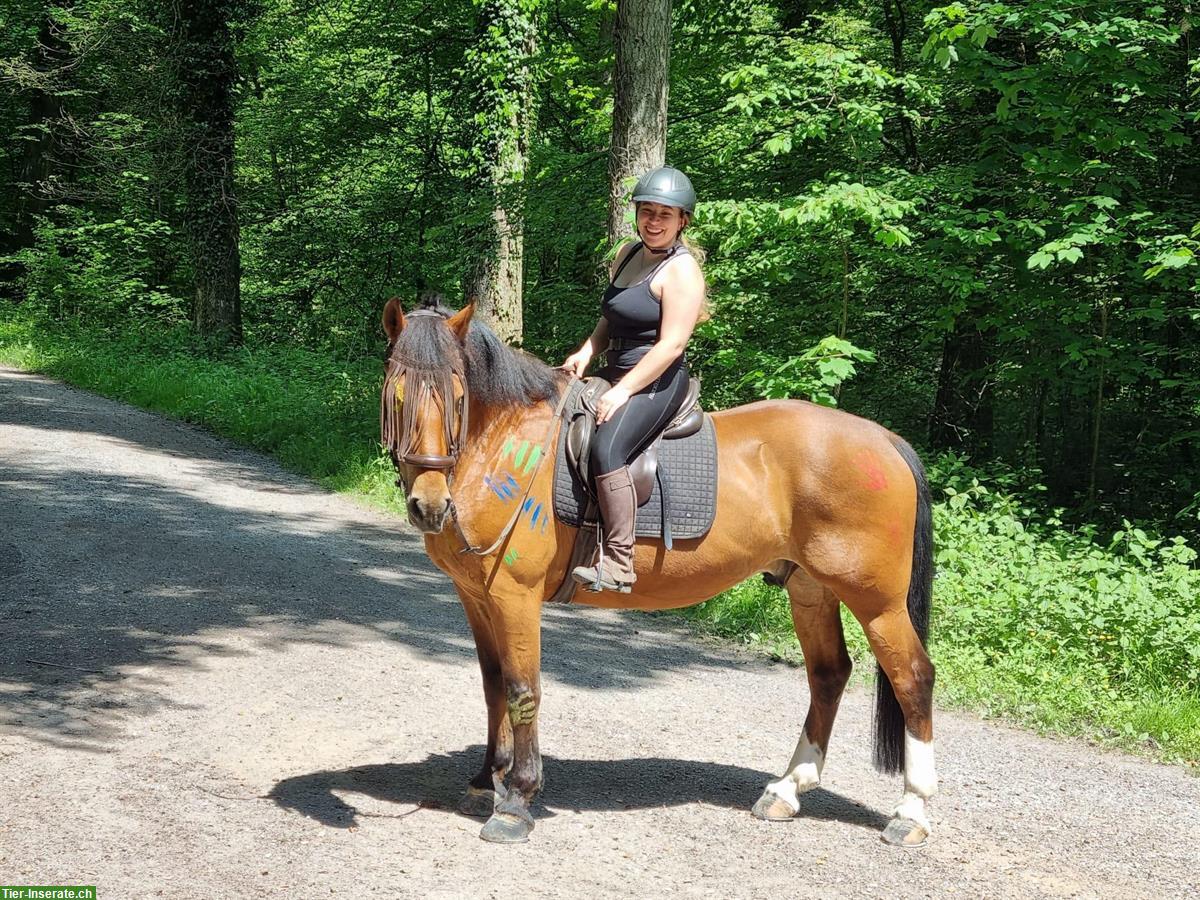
{"x": 479, "y": 799}
{"x": 516, "y": 622}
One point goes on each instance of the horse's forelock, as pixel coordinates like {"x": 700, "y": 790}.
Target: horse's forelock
{"x": 427, "y": 345}
{"x": 496, "y": 374}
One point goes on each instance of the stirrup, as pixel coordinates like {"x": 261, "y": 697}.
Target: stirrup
{"x": 591, "y": 580}
{"x": 591, "y": 577}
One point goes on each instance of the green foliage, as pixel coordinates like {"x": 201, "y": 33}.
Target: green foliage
{"x": 816, "y": 374}
{"x": 93, "y": 272}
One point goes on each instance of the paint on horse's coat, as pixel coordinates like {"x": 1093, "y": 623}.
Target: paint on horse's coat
{"x": 487, "y": 479}
{"x": 524, "y": 455}
{"x": 534, "y": 456}
{"x": 803, "y": 774}
{"x": 538, "y": 514}
{"x": 505, "y": 489}
{"x": 511, "y": 557}
{"x": 895, "y": 533}
{"x": 868, "y": 462}
{"x": 522, "y": 708}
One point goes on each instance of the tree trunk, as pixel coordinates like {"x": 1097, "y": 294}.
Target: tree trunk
{"x": 642, "y": 39}
{"x": 962, "y": 416}
{"x": 897, "y": 23}
{"x": 207, "y": 73}
{"x": 51, "y": 61}
{"x": 503, "y": 77}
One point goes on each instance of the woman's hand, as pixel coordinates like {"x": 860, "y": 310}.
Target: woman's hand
{"x": 577, "y": 363}
{"x": 613, "y": 399}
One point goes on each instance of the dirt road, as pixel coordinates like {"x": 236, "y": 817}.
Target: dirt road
{"x": 219, "y": 680}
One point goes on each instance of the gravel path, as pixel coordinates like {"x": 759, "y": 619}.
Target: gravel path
{"x": 262, "y": 689}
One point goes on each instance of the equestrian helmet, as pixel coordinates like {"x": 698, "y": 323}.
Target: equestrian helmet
{"x": 667, "y": 186}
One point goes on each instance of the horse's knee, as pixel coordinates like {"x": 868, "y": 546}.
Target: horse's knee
{"x": 522, "y": 705}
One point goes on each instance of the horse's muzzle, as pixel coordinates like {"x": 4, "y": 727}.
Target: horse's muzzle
{"x": 426, "y": 519}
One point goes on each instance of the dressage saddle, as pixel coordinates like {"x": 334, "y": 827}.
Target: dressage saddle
{"x": 581, "y": 427}
{"x": 575, "y": 498}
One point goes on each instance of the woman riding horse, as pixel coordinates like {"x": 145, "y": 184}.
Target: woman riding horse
{"x": 645, "y": 323}
{"x": 833, "y": 507}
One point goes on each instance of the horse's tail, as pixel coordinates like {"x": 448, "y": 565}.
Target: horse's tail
{"x": 889, "y": 717}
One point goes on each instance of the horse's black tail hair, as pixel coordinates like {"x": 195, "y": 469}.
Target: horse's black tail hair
{"x": 889, "y": 718}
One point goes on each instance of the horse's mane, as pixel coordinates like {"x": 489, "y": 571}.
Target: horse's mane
{"x": 497, "y": 375}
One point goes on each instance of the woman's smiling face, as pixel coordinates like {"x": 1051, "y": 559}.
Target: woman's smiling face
{"x": 659, "y": 224}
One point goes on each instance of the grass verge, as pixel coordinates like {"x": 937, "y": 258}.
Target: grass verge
{"x": 1032, "y": 622}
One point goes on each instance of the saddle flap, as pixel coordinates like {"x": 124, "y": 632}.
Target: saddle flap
{"x": 690, "y": 416}
{"x": 581, "y": 427}
{"x": 581, "y": 424}
{"x": 641, "y": 473}
{"x": 686, "y": 426}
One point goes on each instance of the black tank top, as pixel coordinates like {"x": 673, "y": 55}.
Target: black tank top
{"x": 633, "y": 313}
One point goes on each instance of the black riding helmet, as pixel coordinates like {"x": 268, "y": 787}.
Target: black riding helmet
{"x": 667, "y": 186}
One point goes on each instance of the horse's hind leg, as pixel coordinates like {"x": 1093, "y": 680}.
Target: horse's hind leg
{"x": 819, "y": 628}
{"x": 902, "y": 658}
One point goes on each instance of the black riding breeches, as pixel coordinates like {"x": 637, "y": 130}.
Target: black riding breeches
{"x": 634, "y": 425}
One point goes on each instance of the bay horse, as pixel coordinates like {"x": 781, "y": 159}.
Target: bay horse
{"x": 834, "y": 507}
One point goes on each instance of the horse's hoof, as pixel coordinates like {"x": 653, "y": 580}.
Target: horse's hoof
{"x": 506, "y": 828}
{"x": 771, "y": 808}
{"x": 901, "y": 832}
{"x": 477, "y": 802}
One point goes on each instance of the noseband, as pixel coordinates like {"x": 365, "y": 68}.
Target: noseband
{"x": 420, "y": 386}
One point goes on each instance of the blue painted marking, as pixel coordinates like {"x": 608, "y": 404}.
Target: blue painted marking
{"x": 536, "y": 512}
{"x": 500, "y": 490}
{"x": 528, "y": 503}
{"x": 512, "y": 482}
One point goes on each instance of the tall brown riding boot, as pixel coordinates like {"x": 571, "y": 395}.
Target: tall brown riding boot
{"x": 618, "y": 508}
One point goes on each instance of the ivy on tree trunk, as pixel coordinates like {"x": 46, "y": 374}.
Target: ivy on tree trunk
{"x": 501, "y": 74}
{"x": 207, "y": 72}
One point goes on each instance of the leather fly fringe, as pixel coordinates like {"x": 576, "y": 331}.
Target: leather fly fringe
{"x": 399, "y": 427}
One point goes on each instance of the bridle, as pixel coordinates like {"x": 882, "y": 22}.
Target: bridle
{"x": 420, "y": 386}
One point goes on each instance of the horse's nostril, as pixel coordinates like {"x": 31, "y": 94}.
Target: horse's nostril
{"x": 413, "y": 506}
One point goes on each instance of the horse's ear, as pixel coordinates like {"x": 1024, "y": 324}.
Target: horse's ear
{"x": 461, "y": 320}
{"x": 393, "y": 319}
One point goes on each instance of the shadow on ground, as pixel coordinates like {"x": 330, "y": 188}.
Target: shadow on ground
{"x": 130, "y": 541}
{"x": 438, "y": 782}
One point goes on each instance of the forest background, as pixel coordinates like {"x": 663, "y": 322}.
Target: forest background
{"x": 975, "y": 223}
